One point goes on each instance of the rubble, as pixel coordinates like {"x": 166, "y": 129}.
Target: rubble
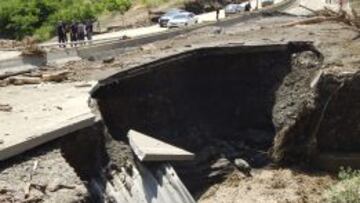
{"x": 5, "y": 107}
{"x": 243, "y": 166}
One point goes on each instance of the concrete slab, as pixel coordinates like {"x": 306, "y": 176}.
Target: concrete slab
{"x": 151, "y": 149}
{"x": 41, "y": 113}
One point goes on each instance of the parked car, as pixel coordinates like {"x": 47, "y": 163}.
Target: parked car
{"x": 182, "y": 19}
{"x": 234, "y": 8}
{"x": 164, "y": 19}
{"x": 265, "y": 3}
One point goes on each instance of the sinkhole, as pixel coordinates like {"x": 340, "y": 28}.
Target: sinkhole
{"x": 218, "y": 102}
{"x": 221, "y": 103}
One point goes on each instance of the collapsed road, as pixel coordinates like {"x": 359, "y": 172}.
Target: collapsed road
{"x": 225, "y": 94}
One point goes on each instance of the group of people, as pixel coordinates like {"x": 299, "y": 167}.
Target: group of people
{"x": 77, "y": 31}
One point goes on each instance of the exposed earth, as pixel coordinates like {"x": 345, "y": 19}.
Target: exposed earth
{"x": 267, "y": 184}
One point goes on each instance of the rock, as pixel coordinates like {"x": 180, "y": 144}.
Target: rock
{"x": 221, "y": 163}
{"x": 221, "y": 167}
{"x": 5, "y": 107}
{"x": 4, "y": 83}
{"x": 243, "y": 166}
{"x": 109, "y": 59}
{"x": 20, "y": 80}
{"x": 56, "y": 76}
{"x": 124, "y": 37}
{"x": 91, "y": 58}
{"x": 148, "y": 47}
{"x": 218, "y": 30}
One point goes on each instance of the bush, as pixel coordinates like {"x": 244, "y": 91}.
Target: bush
{"x": 20, "y": 18}
{"x": 348, "y": 188}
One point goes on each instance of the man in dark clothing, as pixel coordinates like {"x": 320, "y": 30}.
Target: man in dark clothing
{"x": 217, "y": 13}
{"x": 61, "y": 33}
{"x": 89, "y": 30}
{"x": 248, "y": 7}
{"x": 81, "y": 32}
{"x": 73, "y": 33}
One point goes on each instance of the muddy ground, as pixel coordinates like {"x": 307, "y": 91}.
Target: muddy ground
{"x": 295, "y": 184}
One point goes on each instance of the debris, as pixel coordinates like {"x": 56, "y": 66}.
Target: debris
{"x": 329, "y": 15}
{"x": 125, "y": 37}
{"x": 5, "y": 107}
{"x": 91, "y": 58}
{"x": 243, "y": 166}
{"x": 21, "y": 80}
{"x": 27, "y": 190}
{"x": 218, "y": 31}
{"x": 61, "y": 186}
{"x": 150, "y": 149}
{"x": 4, "y": 83}
{"x": 109, "y": 59}
{"x": 83, "y": 85}
{"x": 221, "y": 163}
{"x": 315, "y": 81}
{"x": 1, "y": 141}
{"x": 36, "y": 74}
{"x": 56, "y": 76}
{"x": 32, "y": 48}
{"x": 221, "y": 167}
{"x": 29, "y": 184}
{"x": 9, "y": 74}
{"x": 148, "y": 47}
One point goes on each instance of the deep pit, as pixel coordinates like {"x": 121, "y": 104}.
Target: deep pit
{"x": 263, "y": 104}
{"x": 220, "y": 102}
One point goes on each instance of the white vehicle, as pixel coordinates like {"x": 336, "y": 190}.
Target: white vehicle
{"x": 164, "y": 19}
{"x": 235, "y": 8}
{"x": 265, "y": 3}
{"x": 182, "y": 19}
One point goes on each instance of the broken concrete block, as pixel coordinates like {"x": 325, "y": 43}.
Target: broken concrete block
{"x": 147, "y": 148}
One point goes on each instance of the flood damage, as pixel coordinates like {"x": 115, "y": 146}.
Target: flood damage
{"x": 222, "y": 103}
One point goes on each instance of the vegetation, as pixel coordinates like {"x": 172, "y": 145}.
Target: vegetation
{"x": 348, "y": 189}
{"x": 20, "y": 18}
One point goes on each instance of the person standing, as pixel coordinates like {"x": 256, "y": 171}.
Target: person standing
{"x": 74, "y": 33}
{"x": 248, "y": 6}
{"x": 81, "y": 32}
{"x": 89, "y": 30}
{"x": 61, "y": 33}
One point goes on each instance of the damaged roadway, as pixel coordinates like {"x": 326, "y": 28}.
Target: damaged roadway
{"x": 340, "y": 60}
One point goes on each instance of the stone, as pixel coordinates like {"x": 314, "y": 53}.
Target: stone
{"x": 243, "y": 166}
{"x": 91, "y": 58}
{"x": 109, "y": 59}
{"x": 221, "y": 163}
{"x": 148, "y": 47}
